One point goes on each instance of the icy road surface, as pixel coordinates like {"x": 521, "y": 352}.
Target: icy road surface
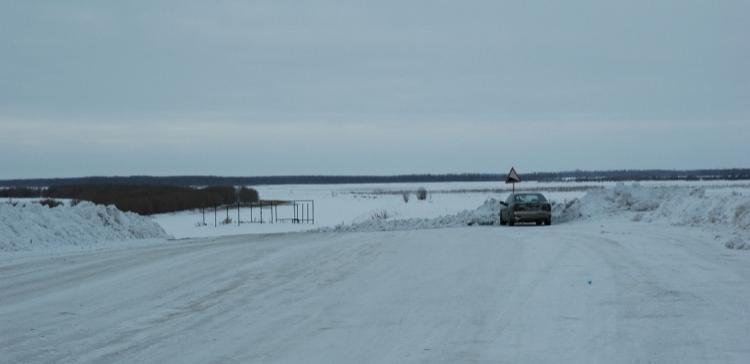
{"x": 571, "y": 293}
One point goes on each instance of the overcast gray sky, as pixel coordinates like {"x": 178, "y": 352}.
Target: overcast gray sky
{"x": 371, "y": 87}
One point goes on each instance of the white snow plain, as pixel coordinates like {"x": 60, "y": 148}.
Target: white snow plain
{"x": 629, "y": 273}
{"x": 346, "y": 204}
{"x": 341, "y": 206}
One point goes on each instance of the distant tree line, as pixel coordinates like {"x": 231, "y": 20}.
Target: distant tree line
{"x": 640, "y": 175}
{"x": 578, "y": 175}
{"x": 142, "y": 199}
{"x": 198, "y": 181}
{"x": 22, "y": 192}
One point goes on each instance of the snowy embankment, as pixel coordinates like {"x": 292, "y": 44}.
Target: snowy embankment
{"x": 728, "y": 212}
{"x": 486, "y": 214}
{"x": 31, "y": 226}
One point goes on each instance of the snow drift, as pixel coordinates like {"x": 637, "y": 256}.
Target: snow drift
{"x": 728, "y": 211}
{"x": 677, "y": 205}
{"x": 486, "y": 214}
{"x": 30, "y": 226}
{"x": 685, "y": 206}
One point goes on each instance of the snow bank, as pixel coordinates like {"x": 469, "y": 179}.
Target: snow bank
{"x": 688, "y": 206}
{"x": 31, "y": 226}
{"x": 727, "y": 211}
{"x": 486, "y": 214}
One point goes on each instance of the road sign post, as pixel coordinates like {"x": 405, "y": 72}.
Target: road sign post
{"x": 513, "y": 178}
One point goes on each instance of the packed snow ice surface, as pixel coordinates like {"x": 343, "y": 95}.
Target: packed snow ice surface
{"x": 27, "y": 226}
{"x": 587, "y": 291}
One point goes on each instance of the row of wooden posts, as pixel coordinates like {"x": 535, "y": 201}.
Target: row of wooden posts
{"x": 299, "y": 212}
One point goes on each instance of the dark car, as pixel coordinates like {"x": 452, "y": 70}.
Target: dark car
{"x": 526, "y": 207}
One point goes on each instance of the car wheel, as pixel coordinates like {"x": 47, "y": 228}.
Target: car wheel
{"x": 502, "y": 221}
{"x": 539, "y": 222}
{"x": 548, "y": 221}
{"x": 511, "y": 221}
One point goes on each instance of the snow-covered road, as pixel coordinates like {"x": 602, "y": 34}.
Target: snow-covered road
{"x": 570, "y": 293}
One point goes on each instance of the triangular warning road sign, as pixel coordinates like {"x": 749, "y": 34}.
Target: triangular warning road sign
{"x": 512, "y": 176}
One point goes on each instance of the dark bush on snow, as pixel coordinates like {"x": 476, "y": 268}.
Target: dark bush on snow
{"x": 50, "y": 202}
{"x": 146, "y": 200}
{"x": 421, "y": 194}
{"x": 247, "y": 195}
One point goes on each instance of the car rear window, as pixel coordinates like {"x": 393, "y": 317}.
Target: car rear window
{"x": 530, "y": 198}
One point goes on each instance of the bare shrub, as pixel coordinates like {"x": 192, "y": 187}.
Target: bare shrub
{"x": 405, "y": 196}
{"x": 421, "y": 194}
{"x": 380, "y": 215}
{"x": 50, "y": 202}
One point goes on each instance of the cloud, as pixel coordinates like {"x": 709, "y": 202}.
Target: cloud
{"x": 341, "y": 76}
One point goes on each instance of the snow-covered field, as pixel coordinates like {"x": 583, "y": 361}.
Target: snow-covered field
{"x": 720, "y": 206}
{"x": 349, "y": 203}
{"x": 628, "y": 273}
{"x": 352, "y": 203}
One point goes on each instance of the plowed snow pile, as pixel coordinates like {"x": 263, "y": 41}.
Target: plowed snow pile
{"x": 486, "y": 214}
{"x": 728, "y": 212}
{"x": 31, "y": 226}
